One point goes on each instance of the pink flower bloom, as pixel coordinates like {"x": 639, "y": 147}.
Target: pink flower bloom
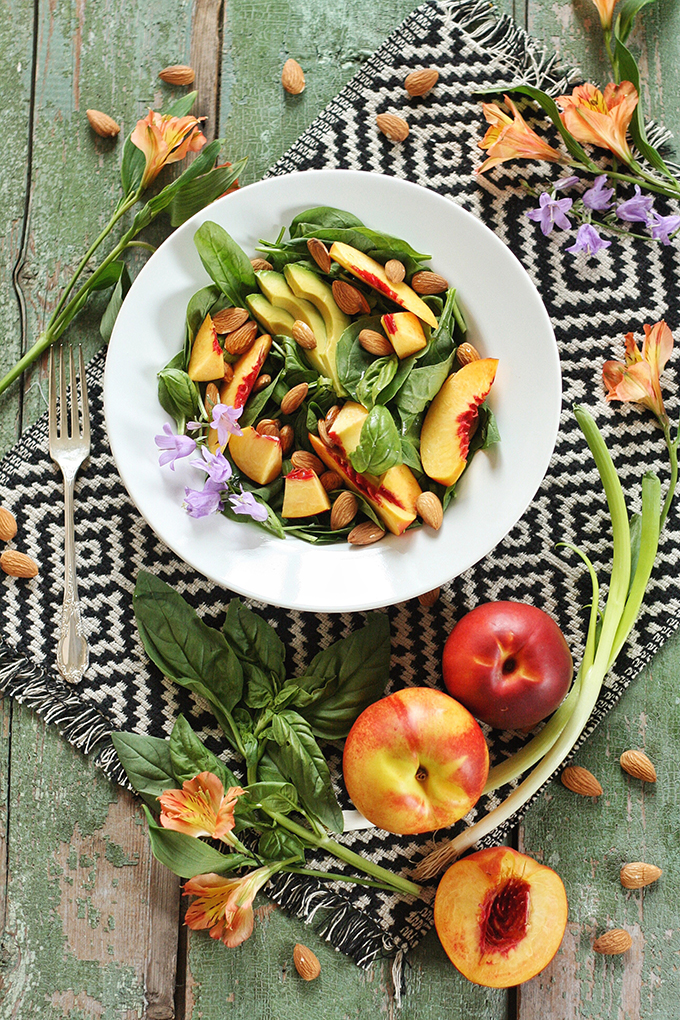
{"x": 165, "y": 140}
{"x": 224, "y": 905}
{"x": 601, "y": 118}
{"x": 637, "y": 378}
{"x": 512, "y": 139}
{"x": 201, "y": 807}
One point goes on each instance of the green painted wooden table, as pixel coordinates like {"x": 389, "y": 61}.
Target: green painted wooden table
{"x": 90, "y": 924}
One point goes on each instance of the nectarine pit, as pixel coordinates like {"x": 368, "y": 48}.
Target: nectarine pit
{"x": 505, "y": 916}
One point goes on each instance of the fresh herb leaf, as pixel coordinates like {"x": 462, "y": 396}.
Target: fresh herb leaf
{"x": 178, "y": 395}
{"x": 203, "y": 190}
{"x": 297, "y": 755}
{"x": 190, "y": 757}
{"x": 225, "y": 262}
{"x": 376, "y": 379}
{"x": 279, "y": 845}
{"x": 254, "y": 640}
{"x": 281, "y": 797}
{"x": 110, "y": 315}
{"x": 187, "y": 856}
{"x": 147, "y": 763}
{"x": 379, "y": 446}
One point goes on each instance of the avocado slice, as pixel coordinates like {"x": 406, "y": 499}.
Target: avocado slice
{"x": 278, "y": 293}
{"x": 272, "y": 320}
{"x": 307, "y": 285}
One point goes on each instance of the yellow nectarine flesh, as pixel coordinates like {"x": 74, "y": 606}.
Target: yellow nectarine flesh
{"x": 304, "y": 495}
{"x": 404, "y": 333}
{"x": 207, "y": 361}
{"x": 258, "y": 457}
{"x": 371, "y": 272}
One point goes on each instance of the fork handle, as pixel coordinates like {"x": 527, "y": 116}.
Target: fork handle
{"x": 73, "y": 654}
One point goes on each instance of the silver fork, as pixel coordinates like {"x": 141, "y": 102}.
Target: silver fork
{"x": 69, "y": 451}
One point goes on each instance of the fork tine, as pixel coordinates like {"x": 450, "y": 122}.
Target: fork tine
{"x": 63, "y": 424}
{"x": 75, "y": 427}
{"x": 52, "y": 384}
{"x": 85, "y": 409}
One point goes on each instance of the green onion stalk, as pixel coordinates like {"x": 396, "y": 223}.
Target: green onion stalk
{"x": 631, "y": 568}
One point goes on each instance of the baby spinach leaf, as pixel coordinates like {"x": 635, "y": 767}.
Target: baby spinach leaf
{"x": 187, "y": 856}
{"x": 190, "y": 757}
{"x": 147, "y": 763}
{"x": 279, "y": 845}
{"x": 422, "y": 385}
{"x": 225, "y": 262}
{"x": 379, "y": 446}
{"x": 351, "y": 360}
{"x": 199, "y": 305}
{"x": 361, "y": 665}
{"x": 254, "y": 640}
{"x": 297, "y": 755}
{"x": 181, "y": 644}
{"x": 305, "y": 223}
{"x": 375, "y": 379}
{"x": 256, "y": 404}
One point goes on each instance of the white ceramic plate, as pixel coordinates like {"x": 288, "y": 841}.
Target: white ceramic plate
{"x": 506, "y": 320}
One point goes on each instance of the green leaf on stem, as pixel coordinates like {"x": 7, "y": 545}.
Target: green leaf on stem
{"x": 225, "y": 262}
{"x": 254, "y": 640}
{"x": 625, "y": 17}
{"x": 178, "y": 395}
{"x": 147, "y": 763}
{"x": 181, "y": 107}
{"x": 189, "y": 756}
{"x": 203, "y": 162}
{"x": 195, "y": 195}
{"x": 629, "y": 71}
{"x": 281, "y": 797}
{"x": 279, "y": 845}
{"x": 297, "y": 755}
{"x": 188, "y": 856}
{"x": 115, "y": 302}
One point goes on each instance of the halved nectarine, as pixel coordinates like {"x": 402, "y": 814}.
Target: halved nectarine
{"x": 207, "y": 361}
{"x": 304, "y": 494}
{"x": 371, "y": 272}
{"x": 258, "y": 457}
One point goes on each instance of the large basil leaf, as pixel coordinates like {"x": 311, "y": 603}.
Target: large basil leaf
{"x": 188, "y": 856}
{"x": 361, "y": 665}
{"x": 178, "y": 395}
{"x": 190, "y": 757}
{"x": 281, "y": 797}
{"x": 182, "y": 645}
{"x": 147, "y": 763}
{"x": 297, "y": 755}
{"x": 379, "y": 446}
{"x": 225, "y": 262}
{"x": 254, "y": 640}
{"x": 279, "y": 845}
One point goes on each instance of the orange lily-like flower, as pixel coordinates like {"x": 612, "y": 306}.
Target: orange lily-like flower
{"x": 201, "y": 808}
{"x": 605, "y": 9}
{"x": 165, "y": 140}
{"x": 512, "y": 139}
{"x": 637, "y": 378}
{"x": 601, "y": 118}
{"x": 224, "y": 905}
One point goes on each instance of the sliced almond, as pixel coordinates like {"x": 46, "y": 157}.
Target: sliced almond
{"x": 259, "y": 265}
{"x": 348, "y": 299}
{"x": 229, "y": 319}
{"x": 365, "y": 534}
{"x": 417, "y": 83}
{"x": 177, "y": 74}
{"x": 425, "y": 282}
{"x": 306, "y": 963}
{"x": 261, "y": 382}
{"x": 581, "y": 781}
{"x": 395, "y": 128}
{"x": 637, "y": 874}
{"x": 294, "y": 398}
{"x": 18, "y": 564}
{"x": 287, "y": 437}
{"x": 293, "y": 77}
{"x": 242, "y": 339}
{"x": 429, "y": 598}
{"x": 638, "y": 765}
{"x": 613, "y": 942}
{"x": 375, "y": 343}
{"x": 466, "y": 354}
{"x": 268, "y": 427}
{"x": 308, "y": 461}
{"x": 430, "y": 509}
{"x": 8, "y": 525}
{"x": 331, "y": 481}
{"x": 331, "y": 414}
{"x": 344, "y": 510}
{"x": 303, "y": 335}
{"x": 395, "y": 271}
{"x": 319, "y": 252}
{"x": 102, "y": 124}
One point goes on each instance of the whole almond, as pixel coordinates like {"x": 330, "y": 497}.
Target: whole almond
{"x": 638, "y": 765}
{"x": 613, "y": 942}
{"x": 395, "y": 128}
{"x": 331, "y": 481}
{"x": 417, "y": 83}
{"x": 375, "y": 343}
{"x": 287, "y": 437}
{"x": 268, "y": 427}
{"x": 212, "y": 397}
{"x": 306, "y": 963}
{"x": 466, "y": 354}
{"x": 102, "y": 124}
{"x": 293, "y": 77}
{"x": 229, "y": 319}
{"x": 324, "y": 434}
{"x": 429, "y": 598}
{"x": 261, "y": 382}
{"x": 331, "y": 414}
{"x": 319, "y": 252}
{"x": 177, "y": 74}
{"x": 228, "y": 372}
{"x": 18, "y": 564}
{"x": 8, "y": 525}
{"x": 303, "y": 335}
{"x": 425, "y": 282}
{"x": 395, "y": 271}
{"x": 430, "y": 509}
{"x": 259, "y": 265}
{"x": 242, "y": 339}
{"x": 365, "y": 534}
{"x": 344, "y": 510}
{"x": 304, "y": 459}
{"x": 294, "y": 398}
{"x": 581, "y": 781}
{"x": 638, "y": 874}
{"x": 348, "y": 299}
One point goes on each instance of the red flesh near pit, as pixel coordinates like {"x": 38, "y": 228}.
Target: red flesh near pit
{"x": 505, "y": 917}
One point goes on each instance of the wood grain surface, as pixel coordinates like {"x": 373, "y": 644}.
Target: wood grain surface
{"x": 90, "y": 923}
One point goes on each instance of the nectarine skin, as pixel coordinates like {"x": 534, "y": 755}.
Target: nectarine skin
{"x": 500, "y": 916}
{"x": 508, "y": 663}
{"x": 415, "y": 761}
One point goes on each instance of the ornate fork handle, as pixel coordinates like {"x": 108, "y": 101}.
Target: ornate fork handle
{"x": 73, "y": 654}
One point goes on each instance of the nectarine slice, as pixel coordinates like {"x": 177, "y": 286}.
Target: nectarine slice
{"x": 258, "y": 457}
{"x": 304, "y": 495}
{"x": 500, "y": 916}
{"x": 207, "y": 361}
{"x": 451, "y": 418}
{"x": 371, "y": 272}
{"x": 246, "y": 371}
{"x": 404, "y": 333}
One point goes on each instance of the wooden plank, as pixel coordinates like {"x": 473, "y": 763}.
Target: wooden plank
{"x": 206, "y": 39}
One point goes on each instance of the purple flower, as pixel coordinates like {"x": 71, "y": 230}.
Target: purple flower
{"x": 565, "y": 183}
{"x": 245, "y": 503}
{"x": 202, "y": 503}
{"x": 551, "y": 213}
{"x": 662, "y": 226}
{"x": 588, "y": 240}
{"x": 225, "y": 421}
{"x": 216, "y": 464}
{"x": 174, "y": 447}
{"x": 598, "y": 197}
{"x": 636, "y": 209}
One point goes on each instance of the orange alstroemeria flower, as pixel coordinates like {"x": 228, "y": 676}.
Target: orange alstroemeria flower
{"x": 601, "y": 118}
{"x": 165, "y": 140}
{"x": 512, "y": 139}
{"x": 637, "y": 378}
{"x": 201, "y": 807}
{"x": 224, "y": 905}
{"x": 605, "y": 9}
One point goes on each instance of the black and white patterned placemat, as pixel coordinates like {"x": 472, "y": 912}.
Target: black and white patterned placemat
{"x": 592, "y": 304}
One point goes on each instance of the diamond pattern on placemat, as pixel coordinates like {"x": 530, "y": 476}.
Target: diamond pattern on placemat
{"x": 591, "y": 304}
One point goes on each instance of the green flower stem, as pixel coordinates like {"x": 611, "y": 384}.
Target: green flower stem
{"x": 651, "y": 183}
{"x": 395, "y": 882}
{"x": 672, "y": 446}
{"x": 330, "y": 876}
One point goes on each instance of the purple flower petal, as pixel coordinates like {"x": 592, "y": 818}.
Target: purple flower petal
{"x": 225, "y": 420}
{"x": 599, "y": 196}
{"x": 663, "y": 226}
{"x": 636, "y": 209}
{"x": 245, "y": 503}
{"x": 203, "y": 502}
{"x": 565, "y": 183}
{"x": 174, "y": 447}
{"x": 588, "y": 240}
{"x": 551, "y": 213}
{"x": 216, "y": 464}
